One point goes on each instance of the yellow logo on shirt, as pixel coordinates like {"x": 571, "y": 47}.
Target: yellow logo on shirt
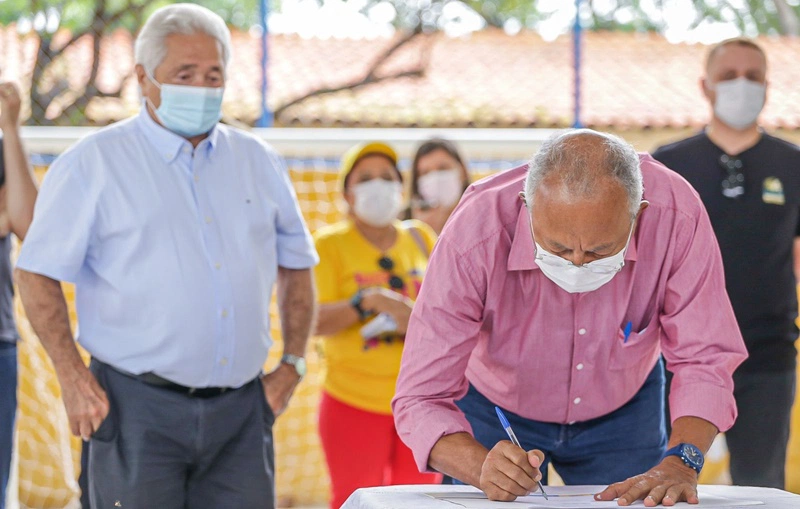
{"x": 772, "y": 191}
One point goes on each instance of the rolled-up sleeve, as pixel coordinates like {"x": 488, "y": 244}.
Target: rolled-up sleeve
{"x": 702, "y": 343}
{"x": 327, "y": 272}
{"x": 58, "y": 240}
{"x": 295, "y": 245}
{"x": 440, "y": 339}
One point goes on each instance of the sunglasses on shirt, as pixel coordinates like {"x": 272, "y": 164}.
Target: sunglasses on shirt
{"x": 395, "y": 282}
{"x": 733, "y": 183}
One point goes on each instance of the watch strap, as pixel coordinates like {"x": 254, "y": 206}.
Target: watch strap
{"x": 356, "y": 302}
{"x": 680, "y": 451}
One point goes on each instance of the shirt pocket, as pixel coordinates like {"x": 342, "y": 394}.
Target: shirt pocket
{"x": 639, "y": 351}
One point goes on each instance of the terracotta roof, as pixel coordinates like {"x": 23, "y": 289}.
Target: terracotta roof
{"x": 487, "y": 79}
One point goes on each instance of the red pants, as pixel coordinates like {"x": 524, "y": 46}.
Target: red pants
{"x": 363, "y": 449}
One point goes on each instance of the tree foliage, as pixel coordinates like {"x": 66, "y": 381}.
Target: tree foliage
{"x": 95, "y": 18}
{"x": 90, "y": 19}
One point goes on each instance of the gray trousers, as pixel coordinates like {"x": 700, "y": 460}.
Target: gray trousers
{"x": 759, "y": 437}
{"x": 162, "y": 449}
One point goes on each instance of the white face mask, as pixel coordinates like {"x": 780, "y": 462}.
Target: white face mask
{"x": 739, "y": 102}
{"x": 580, "y": 278}
{"x": 441, "y": 188}
{"x": 378, "y": 201}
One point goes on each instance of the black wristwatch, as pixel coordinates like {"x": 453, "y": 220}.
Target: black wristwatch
{"x": 356, "y": 301}
{"x": 692, "y": 456}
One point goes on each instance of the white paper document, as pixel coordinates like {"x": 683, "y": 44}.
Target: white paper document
{"x": 572, "y": 497}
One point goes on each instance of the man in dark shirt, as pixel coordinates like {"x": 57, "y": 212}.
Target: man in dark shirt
{"x": 17, "y": 195}
{"x": 750, "y": 184}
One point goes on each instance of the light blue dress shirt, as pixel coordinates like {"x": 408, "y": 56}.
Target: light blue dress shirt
{"x": 174, "y": 251}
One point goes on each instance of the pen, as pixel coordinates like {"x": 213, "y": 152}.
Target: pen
{"x": 628, "y": 328}
{"x": 513, "y": 438}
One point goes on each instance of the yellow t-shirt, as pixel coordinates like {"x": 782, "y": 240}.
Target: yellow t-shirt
{"x": 364, "y": 374}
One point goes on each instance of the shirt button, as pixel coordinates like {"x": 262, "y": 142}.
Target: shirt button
{"x": 576, "y": 400}
{"x": 224, "y": 361}
{"x": 579, "y": 366}
{"x": 185, "y": 150}
{"x": 217, "y": 265}
{"x": 208, "y": 219}
{"x": 224, "y": 313}
{"x": 197, "y": 178}
{"x": 581, "y": 331}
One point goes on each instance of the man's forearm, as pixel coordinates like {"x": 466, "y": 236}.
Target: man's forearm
{"x": 460, "y": 456}
{"x": 693, "y": 430}
{"x": 46, "y": 309}
{"x": 297, "y": 308}
{"x": 20, "y": 183}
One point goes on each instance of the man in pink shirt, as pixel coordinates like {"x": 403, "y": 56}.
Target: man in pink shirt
{"x": 555, "y": 304}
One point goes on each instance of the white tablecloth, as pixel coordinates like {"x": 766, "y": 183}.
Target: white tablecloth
{"x": 418, "y": 497}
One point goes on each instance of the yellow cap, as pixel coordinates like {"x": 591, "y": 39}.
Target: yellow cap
{"x": 351, "y": 157}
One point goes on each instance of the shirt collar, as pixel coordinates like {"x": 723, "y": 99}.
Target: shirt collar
{"x": 167, "y": 144}
{"x": 523, "y": 252}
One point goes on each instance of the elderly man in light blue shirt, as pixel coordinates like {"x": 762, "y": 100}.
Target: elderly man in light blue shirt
{"x": 174, "y": 229}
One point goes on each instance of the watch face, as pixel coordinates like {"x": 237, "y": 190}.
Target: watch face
{"x": 693, "y": 454}
{"x": 300, "y": 366}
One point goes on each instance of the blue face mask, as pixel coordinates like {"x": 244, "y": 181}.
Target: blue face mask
{"x": 188, "y": 111}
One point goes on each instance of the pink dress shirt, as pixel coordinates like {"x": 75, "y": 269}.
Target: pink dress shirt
{"x": 488, "y": 316}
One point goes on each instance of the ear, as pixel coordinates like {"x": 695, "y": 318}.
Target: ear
{"x": 347, "y": 194}
{"x": 141, "y": 76}
{"x": 706, "y": 89}
{"x": 642, "y": 206}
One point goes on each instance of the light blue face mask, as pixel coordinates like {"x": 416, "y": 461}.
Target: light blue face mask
{"x": 188, "y": 111}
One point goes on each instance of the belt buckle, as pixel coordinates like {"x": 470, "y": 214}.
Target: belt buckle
{"x": 191, "y": 391}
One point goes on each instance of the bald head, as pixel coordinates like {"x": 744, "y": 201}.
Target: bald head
{"x": 735, "y": 43}
{"x": 582, "y": 165}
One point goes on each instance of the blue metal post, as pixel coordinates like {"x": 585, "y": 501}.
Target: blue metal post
{"x": 577, "y": 31}
{"x": 266, "y": 119}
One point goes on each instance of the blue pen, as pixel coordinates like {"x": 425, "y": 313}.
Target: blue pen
{"x": 513, "y": 438}
{"x": 628, "y": 328}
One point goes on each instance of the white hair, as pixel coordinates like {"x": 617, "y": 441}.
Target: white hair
{"x": 577, "y": 160}
{"x": 150, "y": 48}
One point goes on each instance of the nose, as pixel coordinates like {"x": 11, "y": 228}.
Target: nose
{"x": 577, "y": 258}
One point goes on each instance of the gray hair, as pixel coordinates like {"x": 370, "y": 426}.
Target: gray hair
{"x": 579, "y": 159}
{"x": 150, "y": 48}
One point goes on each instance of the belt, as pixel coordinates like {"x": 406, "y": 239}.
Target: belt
{"x": 195, "y": 392}
{"x": 163, "y": 383}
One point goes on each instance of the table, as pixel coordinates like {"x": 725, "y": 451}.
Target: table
{"x": 427, "y": 497}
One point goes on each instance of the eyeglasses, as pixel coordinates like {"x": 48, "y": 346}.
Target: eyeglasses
{"x": 395, "y": 282}
{"x": 733, "y": 183}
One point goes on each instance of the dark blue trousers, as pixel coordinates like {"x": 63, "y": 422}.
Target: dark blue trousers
{"x": 608, "y": 449}
{"x": 8, "y": 409}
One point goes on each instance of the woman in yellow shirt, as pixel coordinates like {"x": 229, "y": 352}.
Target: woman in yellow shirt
{"x": 370, "y": 271}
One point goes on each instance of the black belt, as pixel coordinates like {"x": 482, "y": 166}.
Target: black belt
{"x": 163, "y": 383}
